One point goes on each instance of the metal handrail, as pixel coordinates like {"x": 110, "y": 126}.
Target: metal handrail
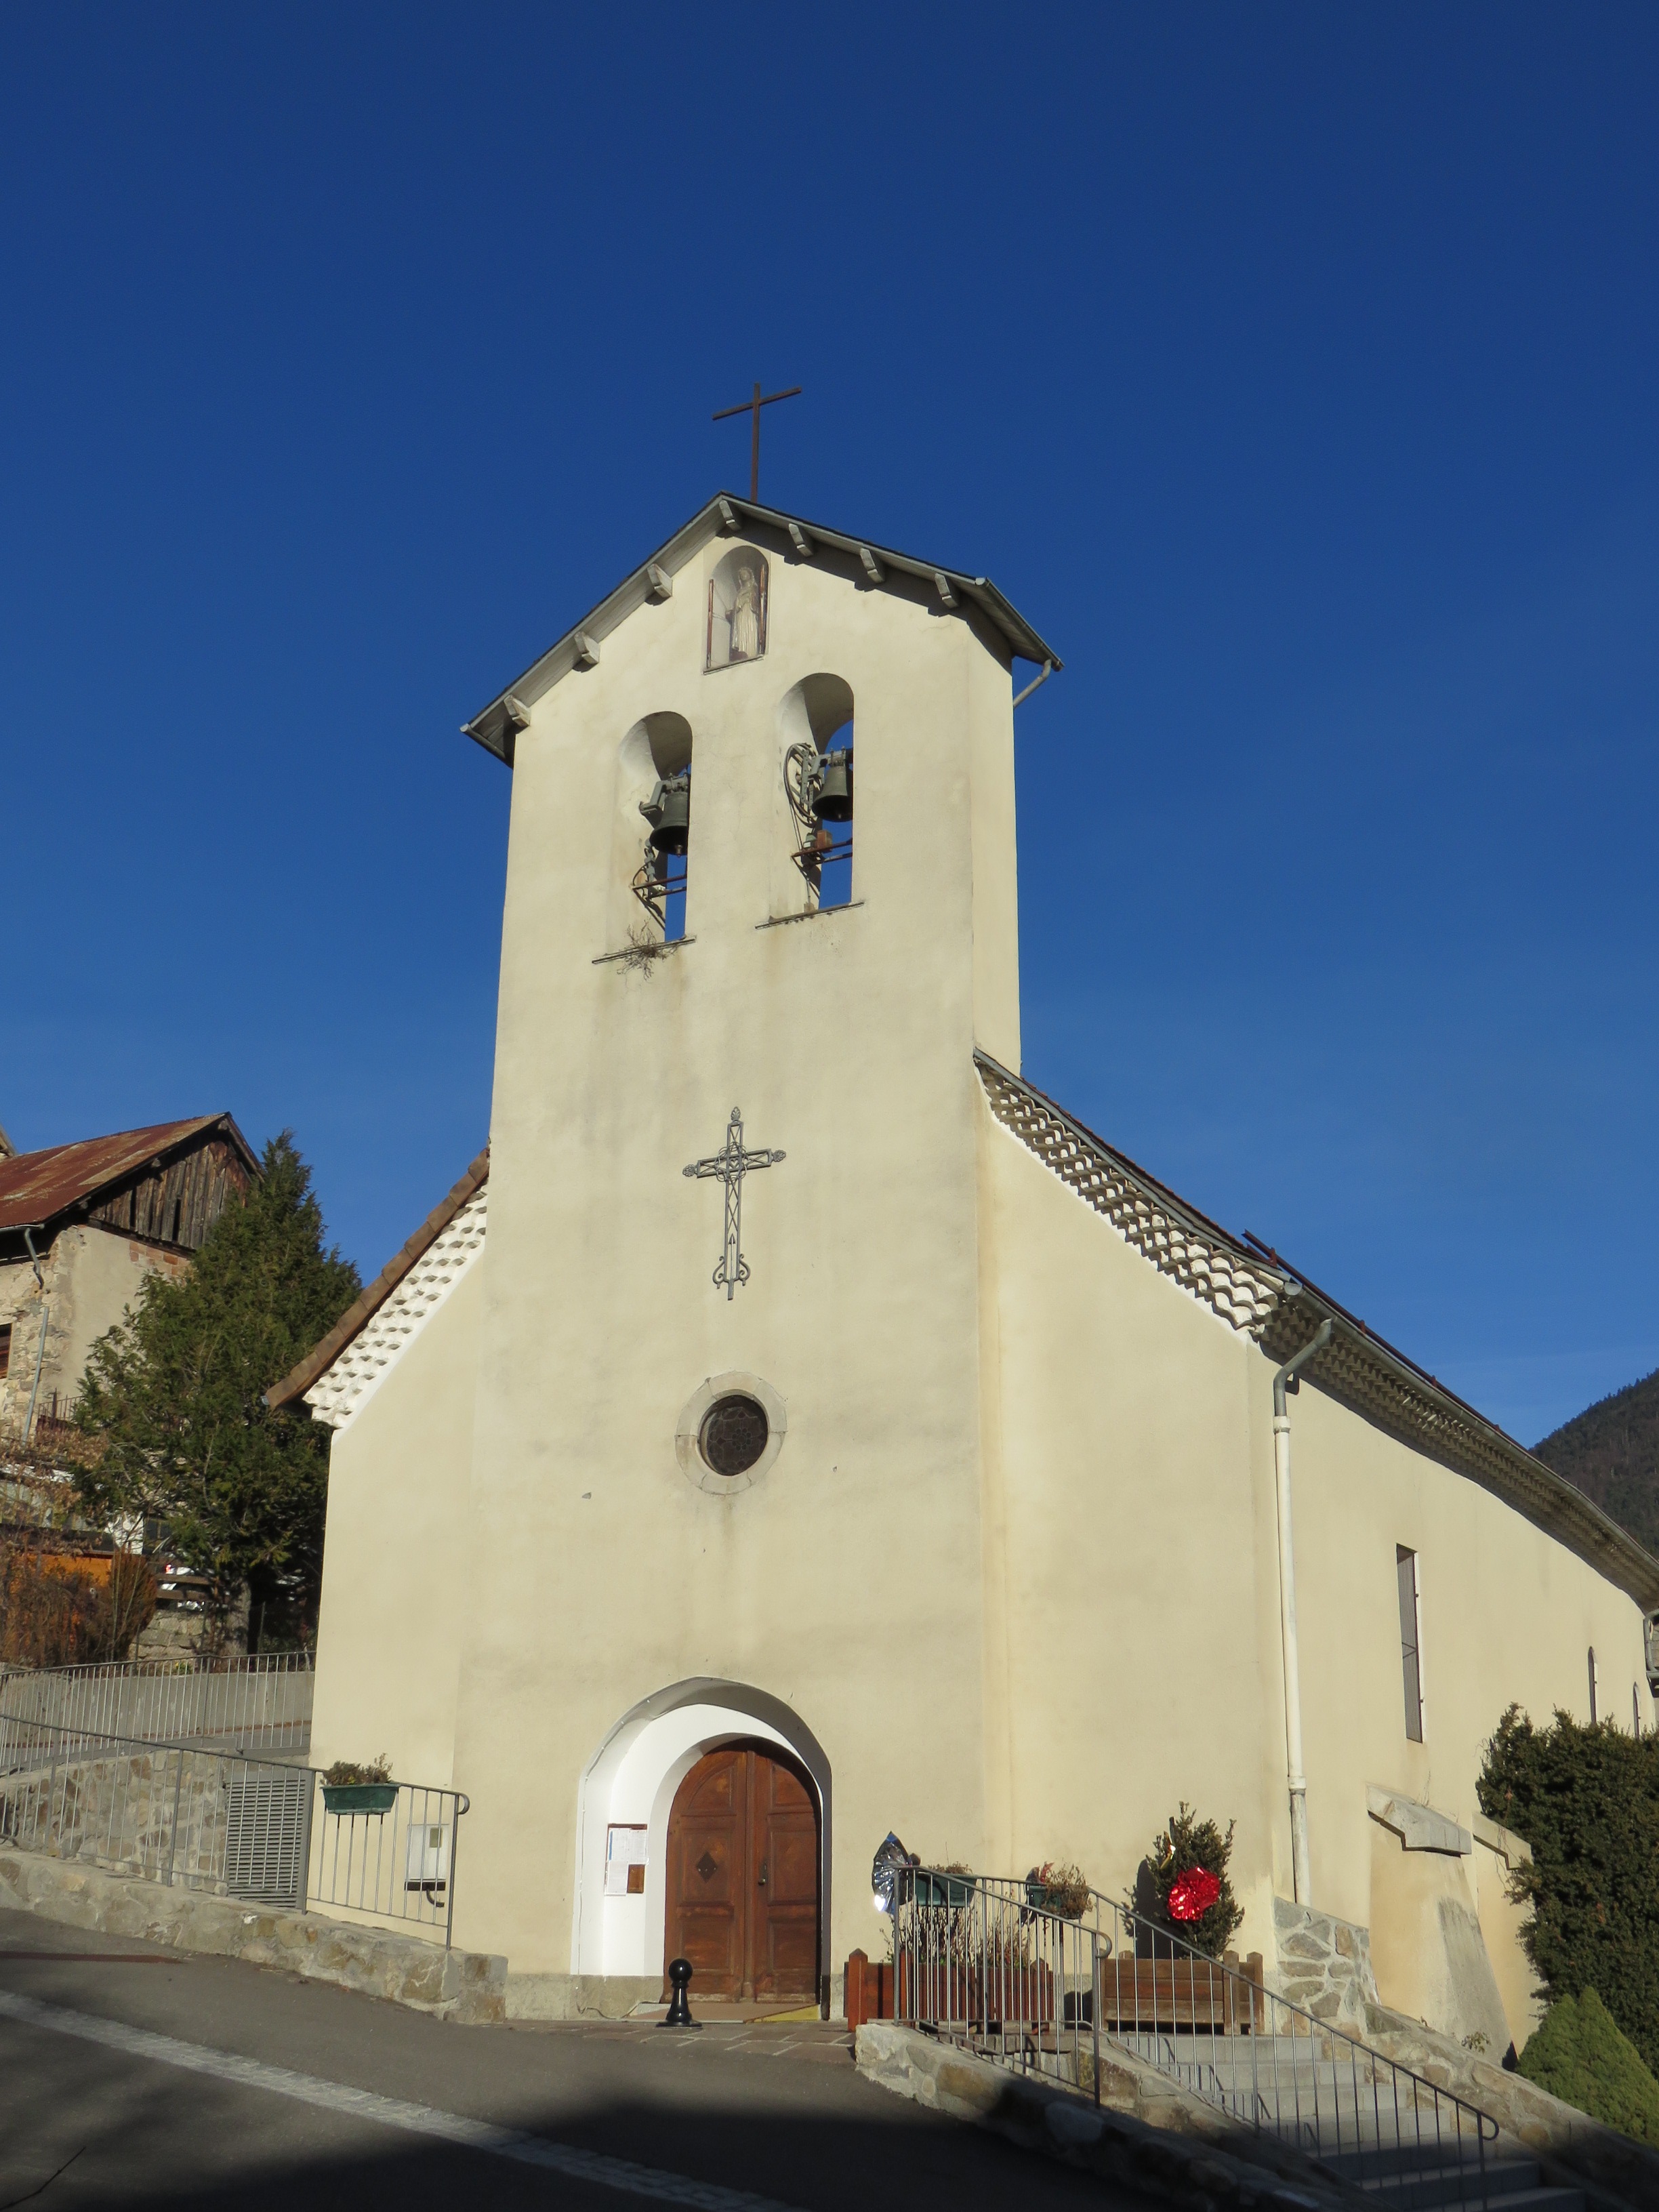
{"x": 228, "y": 1825}
{"x": 261, "y": 1701}
{"x": 983, "y": 1961}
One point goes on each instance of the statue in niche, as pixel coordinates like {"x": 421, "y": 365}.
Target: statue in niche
{"x": 736, "y": 608}
{"x": 745, "y": 618}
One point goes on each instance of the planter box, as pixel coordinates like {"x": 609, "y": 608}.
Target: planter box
{"x": 359, "y": 1796}
{"x": 1144, "y": 1994}
{"x": 950, "y": 1893}
{"x": 869, "y": 1989}
{"x": 946, "y": 1992}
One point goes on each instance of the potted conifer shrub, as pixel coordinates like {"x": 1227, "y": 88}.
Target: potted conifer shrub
{"x": 1184, "y": 1891}
{"x": 350, "y": 1786}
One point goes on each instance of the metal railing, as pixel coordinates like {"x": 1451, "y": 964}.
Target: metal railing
{"x": 265, "y": 1830}
{"x": 397, "y": 1863}
{"x": 257, "y": 1704}
{"x": 984, "y": 1963}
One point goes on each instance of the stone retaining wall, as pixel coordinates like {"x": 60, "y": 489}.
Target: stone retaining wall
{"x": 119, "y": 1813}
{"x": 468, "y": 1987}
{"x": 1324, "y": 1965}
{"x": 1148, "y": 2136}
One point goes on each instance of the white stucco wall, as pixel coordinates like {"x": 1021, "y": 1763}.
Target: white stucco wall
{"x": 1010, "y": 1586}
{"x": 395, "y": 1568}
{"x": 846, "y": 1583}
{"x": 1140, "y": 1514}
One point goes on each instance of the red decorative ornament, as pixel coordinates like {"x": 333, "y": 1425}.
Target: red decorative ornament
{"x": 1191, "y": 1897}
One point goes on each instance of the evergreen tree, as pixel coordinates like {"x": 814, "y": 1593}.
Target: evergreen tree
{"x": 1188, "y": 1847}
{"x": 176, "y": 1393}
{"x": 1587, "y": 1799}
{"x": 1578, "y": 2055}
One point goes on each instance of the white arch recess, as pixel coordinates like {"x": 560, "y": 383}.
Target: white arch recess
{"x": 632, "y": 1776}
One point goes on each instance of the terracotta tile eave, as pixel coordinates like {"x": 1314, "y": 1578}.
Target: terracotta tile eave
{"x": 1364, "y": 1371}
{"x": 363, "y": 1308}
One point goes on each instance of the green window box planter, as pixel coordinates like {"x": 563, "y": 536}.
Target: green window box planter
{"x": 950, "y": 1890}
{"x": 360, "y": 1796}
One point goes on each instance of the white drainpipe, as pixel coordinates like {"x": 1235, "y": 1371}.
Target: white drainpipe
{"x": 40, "y": 1348}
{"x": 1300, "y": 1882}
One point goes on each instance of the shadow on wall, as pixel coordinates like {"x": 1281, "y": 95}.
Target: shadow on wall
{"x": 1428, "y": 1952}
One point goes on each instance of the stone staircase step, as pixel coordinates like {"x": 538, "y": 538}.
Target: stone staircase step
{"x": 1504, "y": 2180}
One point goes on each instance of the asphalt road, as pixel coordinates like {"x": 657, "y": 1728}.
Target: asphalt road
{"x": 133, "y": 2076}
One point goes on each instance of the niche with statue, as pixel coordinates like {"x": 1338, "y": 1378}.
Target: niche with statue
{"x": 736, "y": 608}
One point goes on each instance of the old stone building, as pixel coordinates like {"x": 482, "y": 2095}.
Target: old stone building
{"x": 81, "y": 1226}
{"x": 796, "y": 1427}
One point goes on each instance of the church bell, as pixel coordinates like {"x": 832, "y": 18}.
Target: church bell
{"x": 832, "y": 799}
{"x": 668, "y": 811}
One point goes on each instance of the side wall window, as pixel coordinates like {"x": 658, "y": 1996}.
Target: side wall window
{"x": 1411, "y": 1640}
{"x": 5, "y": 1349}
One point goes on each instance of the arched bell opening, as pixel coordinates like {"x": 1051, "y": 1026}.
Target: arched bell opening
{"x": 655, "y": 799}
{"x": 736, "y": 608}
{"x": 816, "y": 717}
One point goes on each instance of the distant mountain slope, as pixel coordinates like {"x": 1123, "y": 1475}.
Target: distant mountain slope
{"x": 1611, "y": 1450}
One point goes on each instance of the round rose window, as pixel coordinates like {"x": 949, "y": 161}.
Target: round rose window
{"x": 734, "y": 1435}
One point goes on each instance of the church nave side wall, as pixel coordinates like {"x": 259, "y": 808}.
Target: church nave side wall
{"x": 395, "y": 1570}
{"x": 1137, "y": 1567}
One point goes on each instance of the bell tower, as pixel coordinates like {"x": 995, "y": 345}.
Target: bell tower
{"x": 761, "y": 908}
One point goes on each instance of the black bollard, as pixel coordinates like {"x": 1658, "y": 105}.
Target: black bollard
{"x": 679, "y": 2013}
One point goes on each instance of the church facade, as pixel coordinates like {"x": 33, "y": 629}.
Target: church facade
{"x": 795, "y": 1426}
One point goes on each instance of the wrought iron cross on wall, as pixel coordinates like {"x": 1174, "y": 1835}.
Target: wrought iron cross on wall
{"x": 730, "y": 1163}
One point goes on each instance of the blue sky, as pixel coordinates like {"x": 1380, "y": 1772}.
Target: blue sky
{"x": 1291, "y": 367}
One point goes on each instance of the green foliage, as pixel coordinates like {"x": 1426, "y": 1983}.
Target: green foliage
{"x": 1578, "y": 2055}
{"x": 351, "y": 1772}
{"x": 176, "y": 1394}
{"x": 1058, "y": 1885}
{"x": 1185, "y": 1844}
{"x": 1587, "y": 1799}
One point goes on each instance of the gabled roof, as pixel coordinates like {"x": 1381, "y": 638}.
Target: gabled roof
{"x": 35, "y": 1187}
{"x": 495, "y": 727}
{"x": 1250, "y": 1288}
{"x": 358, "y": 1315}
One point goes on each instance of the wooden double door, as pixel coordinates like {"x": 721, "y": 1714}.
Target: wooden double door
{"x": 742, "y": 1877}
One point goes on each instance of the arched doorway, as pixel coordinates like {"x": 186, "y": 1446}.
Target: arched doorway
{"x": 743, "y": 1876}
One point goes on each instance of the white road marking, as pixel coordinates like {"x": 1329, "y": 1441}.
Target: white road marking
{"x": 390, "y": 2111}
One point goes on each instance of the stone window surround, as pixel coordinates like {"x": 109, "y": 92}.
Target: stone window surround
{"x": 692, "y": 1464}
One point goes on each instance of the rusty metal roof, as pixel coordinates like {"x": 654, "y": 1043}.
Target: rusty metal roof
{"x": 35, "y": 1187}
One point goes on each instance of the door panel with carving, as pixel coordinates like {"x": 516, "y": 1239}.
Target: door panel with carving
{"x": 743, "y": 1878}
{"x": 708, "y": 1872}
{"x": 784, "y": 1941}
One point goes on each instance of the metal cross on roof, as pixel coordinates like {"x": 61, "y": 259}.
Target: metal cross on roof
{"x": 730, "y": 1163}
{"x": 752, "y": 408}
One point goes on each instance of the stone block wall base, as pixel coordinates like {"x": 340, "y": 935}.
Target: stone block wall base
{"x": 468, "y": 1987}
{"x": 1324, "y": 1965}
{"x": 1570, "y": 2145}
{"x": 579, "y": 1996}
{"x": 1171, "y": 2146}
